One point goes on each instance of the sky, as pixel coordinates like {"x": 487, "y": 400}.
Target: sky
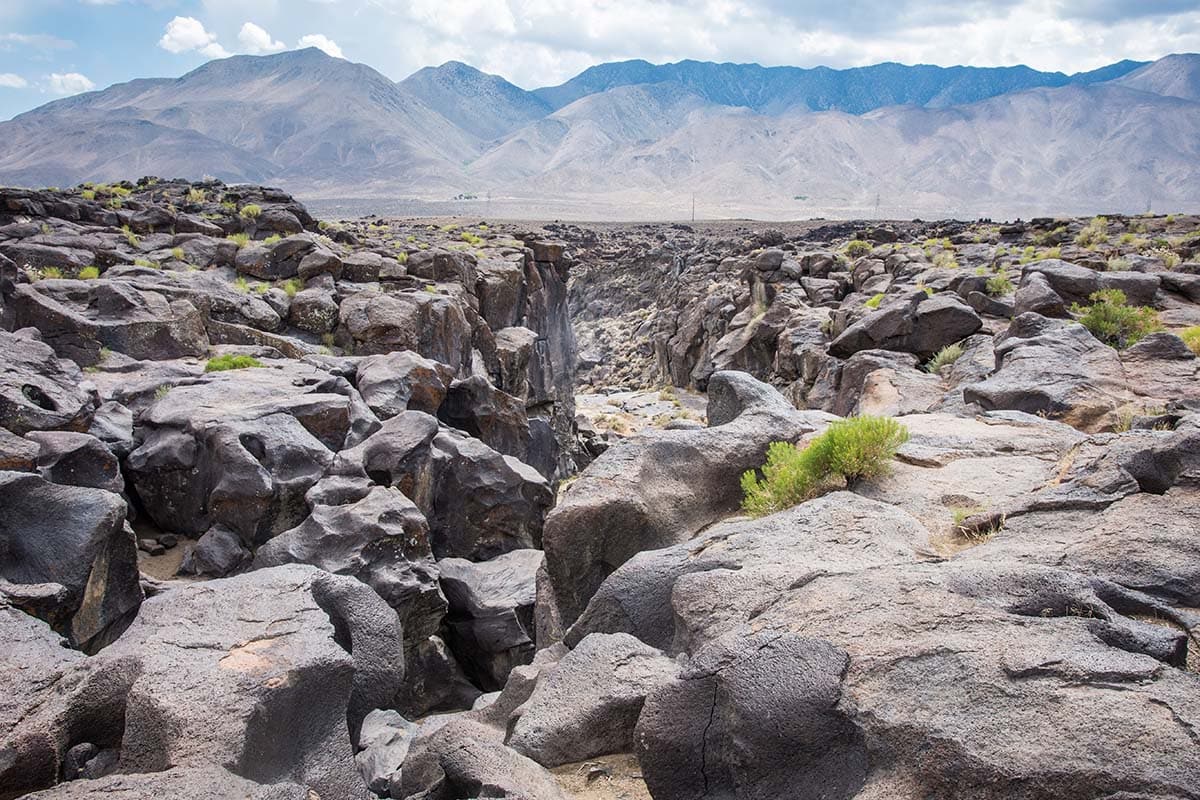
{"x": 54, "y": 48}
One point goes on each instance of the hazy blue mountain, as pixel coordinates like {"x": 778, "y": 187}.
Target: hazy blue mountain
{"x": 774, "y": 90}
{"x": 484, "y": 105}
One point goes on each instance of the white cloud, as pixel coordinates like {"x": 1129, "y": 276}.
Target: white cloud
{"x": 321, "y": 42}
{"x": 256, "y": 41}
{"x": 184, "y": 34}
{"x": 70, "y": 83}
{"x": 11, "y": 81}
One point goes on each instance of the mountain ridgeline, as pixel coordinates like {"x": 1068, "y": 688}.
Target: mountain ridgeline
{"x": 638, "y": 140}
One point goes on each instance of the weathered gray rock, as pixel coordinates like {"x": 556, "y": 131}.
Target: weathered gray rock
{"x": 465, "y": 759}
{"x": 383, "y": 541}
{"x": 218, "y": 553}
{"x": 588, "y": 704}
{"x": 918, "y": 324}
{"x": 77, "y": 459}
{"x": 313, "y": 310}
{"x": 75, "y": 537}
{"x": 1053, "y": 368}
{"x": 754, "y": 716}
{"x": 201, "y": 783}
{"x": 491, "y": 612}
{"x": 479, "y": 503}
{"x": 1075, "y": 284}
{"x": 494, "y": 417}
{"x": 242, "y": 447}
{"x": 662, "y": 487}
{"x": 430, "y": 324}
{"x": 1035, "y": 295}
{"x": 402, "y": 381}
{"x": 39, "y": 391}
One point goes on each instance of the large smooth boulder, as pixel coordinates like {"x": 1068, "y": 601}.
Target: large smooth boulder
{"x": 917, "y": 324}
{"x": 588, "y": 704}
{"x": 383, "y": 540}
{"x": 402, "y": 381}
{"x": 466, "y": 759}
{"x": 661, "y": 487}
{"x": 433, "y": 325}
{"x": 77, "y": 459}
{"x": 479, "y": 503}
{"x": 491, "y": 612}
{"x": 756, "y": 717}
{"x": 1075, "y": 283}
{"x": 1056, "y": 369}
{"x": 40, "y": 391}
{"x": 75, "y": 537}
{"x": 141, "y": 320}
{"x": 242, "y": 447}
{"x": 200, "y": 783}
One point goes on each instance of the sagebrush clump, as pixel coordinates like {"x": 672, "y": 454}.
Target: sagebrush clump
{"x": 1111, "y": 320}
{"x": 230, "y": 361}
{"x": 849, "y": 451}
{"x": 944, "y": 358}
{"x": 1191, "y": 337}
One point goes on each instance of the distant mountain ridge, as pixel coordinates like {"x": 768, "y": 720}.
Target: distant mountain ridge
{"x": 774, "y": 90}
{"x": 631, "y": 138}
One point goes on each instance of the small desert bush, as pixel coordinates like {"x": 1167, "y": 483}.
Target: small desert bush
{"x": 856, "y": 248}
{"x": 230, "y": 361}
{"x": 945, "y": 260}
{"x": 402, "y": 258}
{"x": 240, "y": 239}
{"x": 130, "y": 236}
{"x": 1111, "y": 320}
{"x": 849, "y": 451}
{"x": 89, "y": 273}
{"x": 274, "y": 238}
{"x": 240, "y": 284}
{"x": 1094, "y": 233}
{"x": 999, "y": 285}
{"x": 88, "y": 194}
{"x": 874, "y": 301}
{"x": 197, "y": 196}
{"x": 291, "y": 286}
{"x": 251, "y": 211}
{"x": 178, "y": 254}
{"x": 944, "y": 358}
{"x": 1191, "y": 337}
{"x": 51, "y": 272}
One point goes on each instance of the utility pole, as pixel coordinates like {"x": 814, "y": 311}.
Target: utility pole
{"x": 693, "y": 206}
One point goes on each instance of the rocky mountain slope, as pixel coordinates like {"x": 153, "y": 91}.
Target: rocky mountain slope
{"x": 635, "y": 140}
{"x": 294, "y": 508}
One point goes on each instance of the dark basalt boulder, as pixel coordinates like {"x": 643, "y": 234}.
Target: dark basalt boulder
{"x": 431, "y": 324}
{"x": 77, "y": 459}
{"x": 269, "y": 674}
{"x": 490, "y": 622}
{"x": 589, "y": 703}
{"x": 242, "y": 447}
{"x": 479, "y": 503}
{"x": 661, "y": 487}
{"x": 919, "y": 324}
{"x": 40, "y": 391}
{"x": 402, "y": 381}
{"x": 382, "y": 540}
{"x": 74, "y": 537}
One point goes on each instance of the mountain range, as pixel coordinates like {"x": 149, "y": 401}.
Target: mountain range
{"x": 638, "y": 140}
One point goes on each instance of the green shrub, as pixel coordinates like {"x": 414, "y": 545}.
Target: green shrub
{"x": 856, "y": 248}
{"x": 197, "y": 196}
{"x": 89, "y": 273}
{"x": 1094, "y": 233}
{"x": 229, "y": 361}
{"x": 944, "y": 358}
{"x": 130, "y": 236}
{"x": 144, "y": 262}
{"x": 1114, "y": 322}
{"x": 1191, "y": 337}
{"x": 229, "y": 207}
{"x": 291, "y": 286}
{"x": 240, "y": 284}
{"x": 999, "y": 285}
{"x": 874, "y": 301}
{"x": 471, "y": 238}
{"x": 945, "y": 260}
{"x": 274, "y": 238}
{"x": 849, "y": 451}
{"x": 178, "y": 254}
{"x": 240, "y": 239}
{"x": 251, "y": 211}
{"x": 51, "y": 272}
{"x": 1116, "y": 265}
{"x": 88, "y": 194}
